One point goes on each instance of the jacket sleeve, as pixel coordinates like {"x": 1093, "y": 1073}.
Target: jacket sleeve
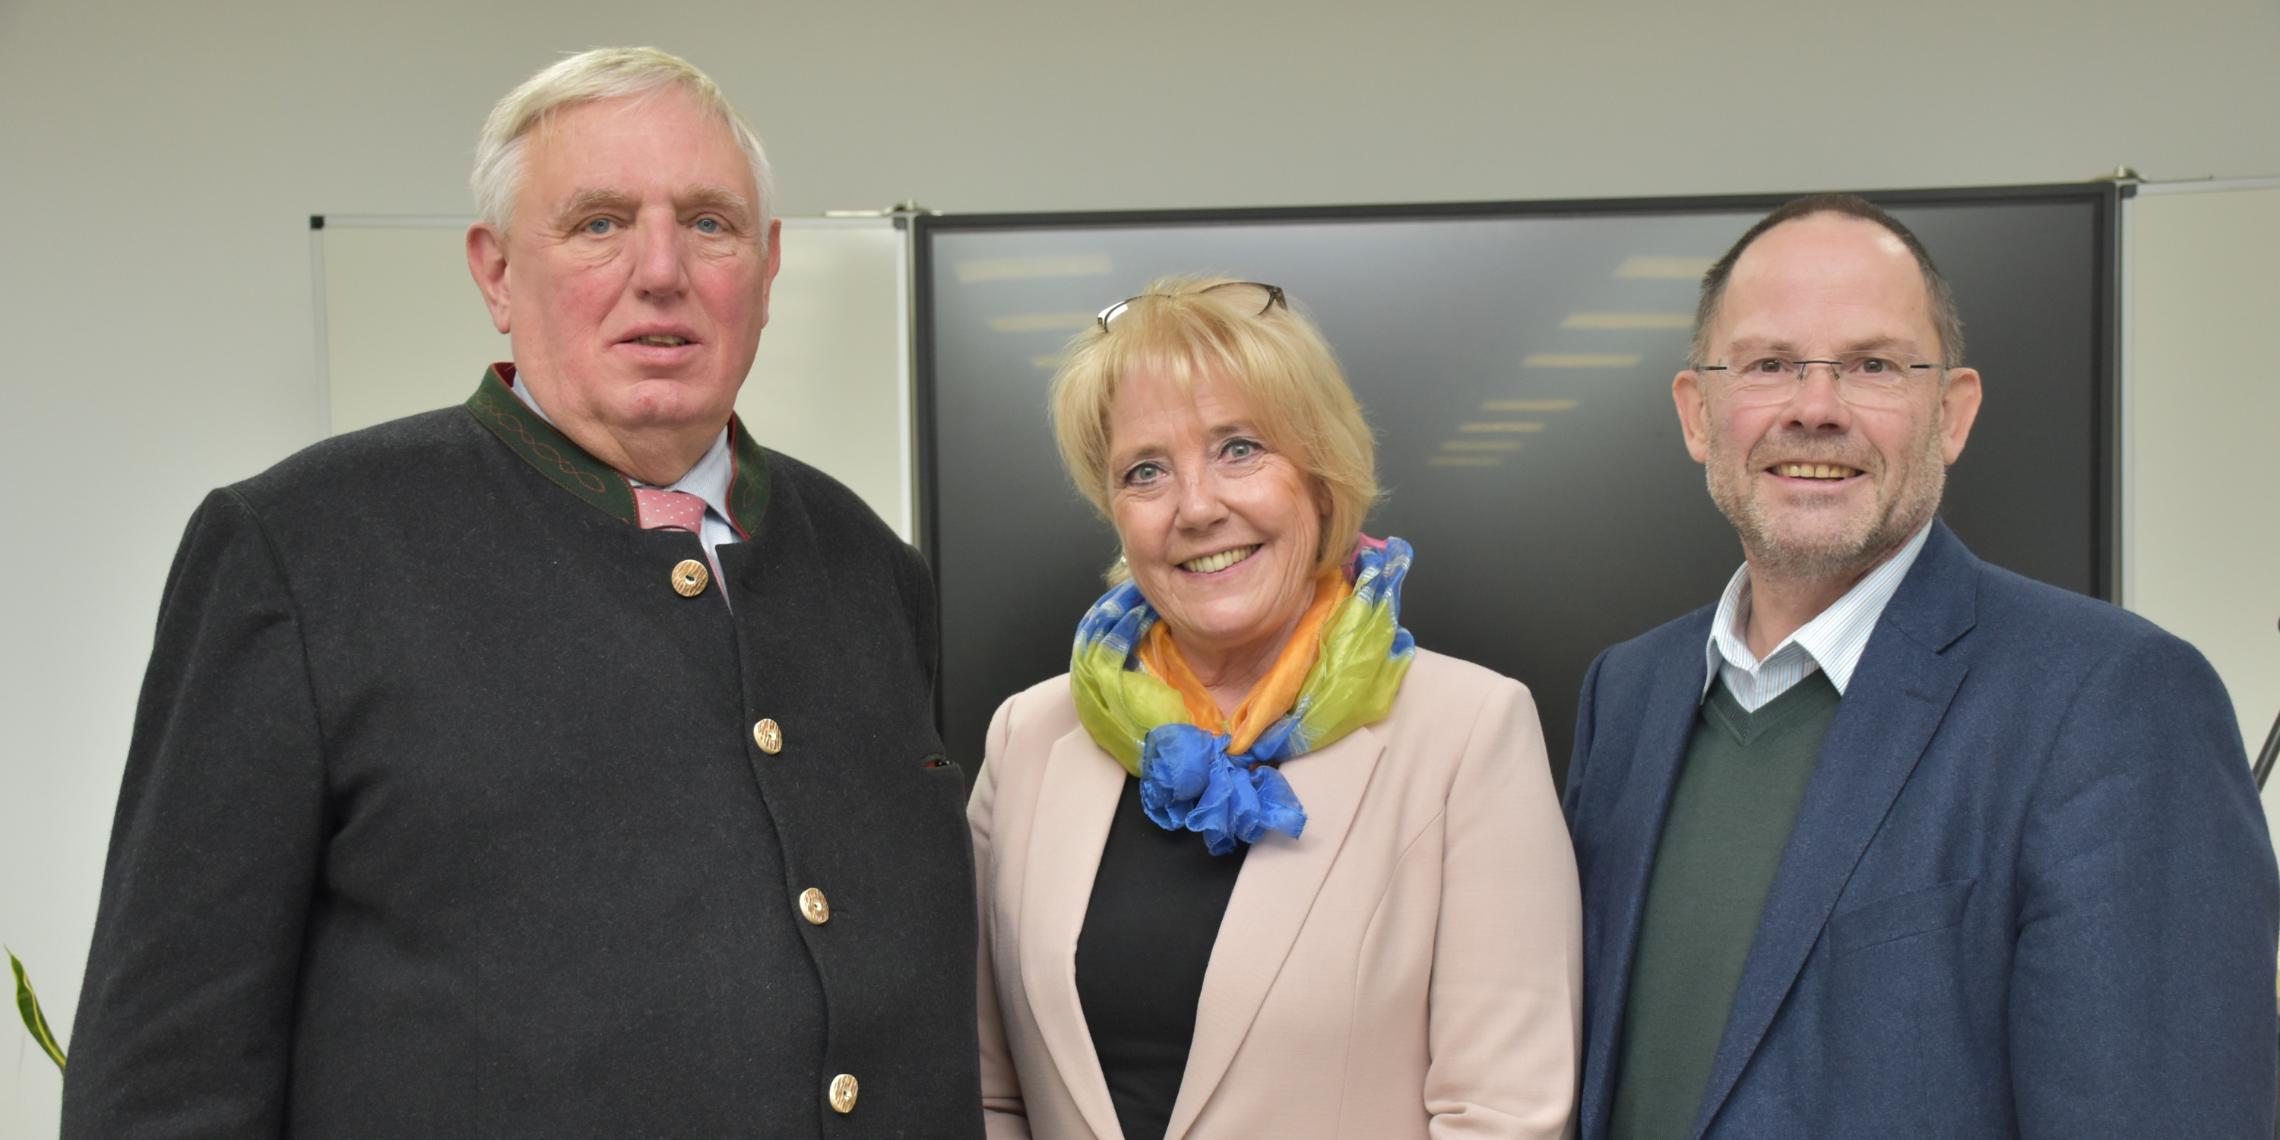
{"x": 916, "y": 580}
{"x": 1584, "y": 731}
{"x": 1506, "y": 997}
{"x": 1002, "y": 1111}
{"x": 2141, "y": 1001}
{"x": 185, "y": 1018}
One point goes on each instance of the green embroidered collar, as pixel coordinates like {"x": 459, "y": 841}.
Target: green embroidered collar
{"x": 550, "y": 453}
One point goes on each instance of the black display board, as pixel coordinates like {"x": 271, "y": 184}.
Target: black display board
{"x": 1515, "y": 361}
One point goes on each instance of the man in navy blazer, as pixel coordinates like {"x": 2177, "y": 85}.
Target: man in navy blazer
{"x": 1890, "y": 841}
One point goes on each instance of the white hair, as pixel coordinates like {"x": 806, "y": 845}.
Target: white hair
{"x": 587, "y": 77}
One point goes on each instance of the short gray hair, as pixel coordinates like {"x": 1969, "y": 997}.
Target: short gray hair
{"x": 588, "y": 77}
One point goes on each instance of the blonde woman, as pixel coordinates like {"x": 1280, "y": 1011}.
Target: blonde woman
{"x": 1257, "y": 865}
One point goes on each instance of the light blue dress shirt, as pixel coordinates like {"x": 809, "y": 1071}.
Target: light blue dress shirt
{"x": 1832, "y": 642}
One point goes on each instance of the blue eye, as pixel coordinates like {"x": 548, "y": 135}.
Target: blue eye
{"x": 1142, "y": 474}
{"x": 710, "y": 226}
{"x": 596, "y": 227}
{"x": 1241, "y": 448}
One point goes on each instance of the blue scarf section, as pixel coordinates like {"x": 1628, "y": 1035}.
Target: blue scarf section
{"x": 1188, "y": 780}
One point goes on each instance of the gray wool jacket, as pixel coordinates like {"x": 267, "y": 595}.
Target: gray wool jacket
{"x": 448, "y": 815}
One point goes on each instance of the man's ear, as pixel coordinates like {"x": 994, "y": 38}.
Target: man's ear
{"x": 1693, "y": 416}
{"x": 768, "y": 269}
{"x": 1959, "y": 408}
{"x": 487, "y": 262}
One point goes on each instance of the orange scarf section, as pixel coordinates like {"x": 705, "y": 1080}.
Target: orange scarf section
{"x": 1272, "y": 696}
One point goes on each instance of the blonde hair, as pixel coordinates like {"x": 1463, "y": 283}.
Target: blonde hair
{"x": 589, "y": 77}
{"x": 1181, "y": 328}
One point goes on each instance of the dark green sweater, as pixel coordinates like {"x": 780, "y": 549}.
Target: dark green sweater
{"x": 1730, "y": 816}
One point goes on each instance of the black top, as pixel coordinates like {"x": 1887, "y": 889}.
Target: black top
{"x": 1156, "y": 904}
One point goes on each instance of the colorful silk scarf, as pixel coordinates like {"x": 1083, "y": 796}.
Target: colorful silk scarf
{"x": 1209, "y": 778}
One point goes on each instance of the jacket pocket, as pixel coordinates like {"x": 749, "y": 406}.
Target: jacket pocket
{"x": 1905, "y": 915}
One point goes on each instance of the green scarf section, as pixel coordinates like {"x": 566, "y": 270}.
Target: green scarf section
{"x": 1188, "y": 780}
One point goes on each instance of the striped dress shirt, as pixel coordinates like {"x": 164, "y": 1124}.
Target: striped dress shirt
{"x": 1832, "y": 642}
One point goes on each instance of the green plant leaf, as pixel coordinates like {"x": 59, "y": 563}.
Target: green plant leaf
{"x": 34, "y": 1020}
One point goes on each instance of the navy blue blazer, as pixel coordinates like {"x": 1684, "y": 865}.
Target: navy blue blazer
{"x": 2029, "y": 891}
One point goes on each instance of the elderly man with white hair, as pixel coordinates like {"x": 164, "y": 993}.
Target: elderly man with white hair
{"x": 562, "y": 764}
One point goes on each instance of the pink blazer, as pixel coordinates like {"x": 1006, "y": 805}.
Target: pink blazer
{"x": 1409, "y": 967}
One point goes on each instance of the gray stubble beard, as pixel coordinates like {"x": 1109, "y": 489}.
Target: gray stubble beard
{"x": 1839, "y": 560}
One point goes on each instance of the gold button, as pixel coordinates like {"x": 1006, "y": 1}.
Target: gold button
{"x": 769, "y": 736}
{"x": 843, "y": 1093}
{"x": 690, "y": 578}
{"x": 815, "y": 908}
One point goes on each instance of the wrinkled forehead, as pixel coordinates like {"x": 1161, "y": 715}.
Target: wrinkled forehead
{"x": 672, "y": 119}
{"x": 660, "y": 146}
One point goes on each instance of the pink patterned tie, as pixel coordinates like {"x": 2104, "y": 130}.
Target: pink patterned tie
{"x": 676, "y": 510}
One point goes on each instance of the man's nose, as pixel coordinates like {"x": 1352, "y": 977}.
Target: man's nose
{"x": 659, "y": 258}
{"x": 1818, "y": 401}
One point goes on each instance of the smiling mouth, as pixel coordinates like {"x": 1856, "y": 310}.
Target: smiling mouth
{"x": 1214, "y": 563}
{"x": 660, "y": 340}
{"x": 1827, "y": 471}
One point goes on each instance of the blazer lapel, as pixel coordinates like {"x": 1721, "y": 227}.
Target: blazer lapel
{"x": 1631, "y": 824}
{"x": 1075, "y": 804}
{"x": 1891, "y": 709}
{"x": 1272, "y": 896}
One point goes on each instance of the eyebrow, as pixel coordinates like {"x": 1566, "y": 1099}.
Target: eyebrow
{"x": 1119, "y": 460}
{"x": 718, "y": 198}
{"x": 1216, "y": 433}
{"x": 1880, "y": 344}
{"x": 586, "y": 201}
{"x": 1789, "y": 347}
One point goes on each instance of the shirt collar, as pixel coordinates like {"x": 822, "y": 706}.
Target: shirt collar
{"x": 707, "y": 480}
{"x": 1833, "y": 640}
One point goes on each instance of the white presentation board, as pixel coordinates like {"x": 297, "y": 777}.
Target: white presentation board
{"x": 401, "y": 329}
{"x": 2201, "y": 419}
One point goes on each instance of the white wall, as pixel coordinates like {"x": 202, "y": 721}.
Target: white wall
{"x": 832, "y": 387}
{"x": 2201, "y": 511}
{"x": 158, "y": 162}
